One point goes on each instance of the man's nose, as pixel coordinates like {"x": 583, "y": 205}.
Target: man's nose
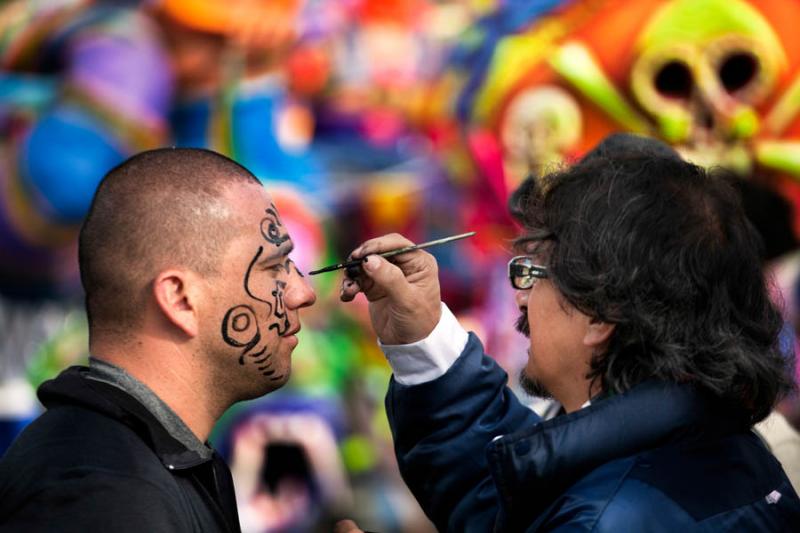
{"x": 299, "y": 293}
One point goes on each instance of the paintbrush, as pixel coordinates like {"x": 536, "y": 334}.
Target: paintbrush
{"x": 392, "y": 253}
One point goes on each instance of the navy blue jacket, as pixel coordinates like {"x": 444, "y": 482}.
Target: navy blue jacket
{"x": 662, "y": 457}
{"x": 97, "y": 460}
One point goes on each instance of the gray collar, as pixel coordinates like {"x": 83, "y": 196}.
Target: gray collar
{"x": 105, "y": 372}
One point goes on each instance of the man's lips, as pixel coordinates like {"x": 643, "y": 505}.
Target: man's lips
{"x": 292, "y": 331}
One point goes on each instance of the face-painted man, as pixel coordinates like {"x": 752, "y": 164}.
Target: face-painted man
{"x": 193, "y": 305}
{"x": 261, "y": 291}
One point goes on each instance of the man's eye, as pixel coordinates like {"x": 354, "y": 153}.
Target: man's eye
{"x": 279, "y": 267}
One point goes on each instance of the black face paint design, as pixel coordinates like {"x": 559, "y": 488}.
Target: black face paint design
{"x": 240, "y": 324}
{"x": 272, "y": 227}
{"x": 247, "y": 277}
{"x": 280, "y": 309}
{"x": 240, "y": 329}
{"x": 295, "y": 269}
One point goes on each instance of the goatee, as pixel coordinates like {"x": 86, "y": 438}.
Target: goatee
{"x": 529, "y": 384}
{"x": 532, "y": 386}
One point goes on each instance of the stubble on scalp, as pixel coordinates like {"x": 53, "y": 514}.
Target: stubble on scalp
{"x": 159, "y": 209}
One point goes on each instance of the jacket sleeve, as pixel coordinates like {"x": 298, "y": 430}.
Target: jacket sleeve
{"x": 98, "y": 501}
{"x": 441, "y": 429}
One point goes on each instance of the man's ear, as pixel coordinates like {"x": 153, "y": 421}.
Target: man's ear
{"x": 598, "y": 333}
{"x": 175, "y": 298}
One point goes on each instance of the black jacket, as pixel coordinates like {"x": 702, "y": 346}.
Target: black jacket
{"x": 660, "y": 458}
{"x": 98, "y": 460}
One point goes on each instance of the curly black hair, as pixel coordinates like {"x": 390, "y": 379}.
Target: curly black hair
{"x": 661, "y": 248}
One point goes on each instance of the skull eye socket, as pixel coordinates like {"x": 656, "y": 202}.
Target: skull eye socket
{"x": 737, "y": 71}
{"x": 674, "y": 80}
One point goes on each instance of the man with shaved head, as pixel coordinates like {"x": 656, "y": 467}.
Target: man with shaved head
{"x": 193, "y": 305}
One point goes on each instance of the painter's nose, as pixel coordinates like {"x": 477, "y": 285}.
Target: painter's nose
{"x": 521, "y": 297}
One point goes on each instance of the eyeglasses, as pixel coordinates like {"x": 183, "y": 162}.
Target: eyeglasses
{"x": 523, "y": 273}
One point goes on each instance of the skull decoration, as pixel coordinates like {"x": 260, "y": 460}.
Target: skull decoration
{"x": 703, "y": 67}
{"x": 540, "y": 125}
{"x": 718, "y": 79}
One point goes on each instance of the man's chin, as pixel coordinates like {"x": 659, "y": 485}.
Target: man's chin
{"x": 290, "y": 342}
{"x": 532, "y": 386}
{"x": 283, "y": 378}
{"x": 268, "y": 384}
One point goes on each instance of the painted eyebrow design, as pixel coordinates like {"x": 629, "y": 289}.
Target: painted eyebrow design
{"x": 280, "y": 252}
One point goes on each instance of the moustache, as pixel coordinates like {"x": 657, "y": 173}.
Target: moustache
{"x": 522, "y": 324}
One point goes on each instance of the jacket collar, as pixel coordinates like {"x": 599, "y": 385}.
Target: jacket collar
{"x": 73, "y": 387}
{"x": 101, "y": 370}
{"x": 534, "y": 466}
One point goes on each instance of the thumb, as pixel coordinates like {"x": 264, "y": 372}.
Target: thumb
{"x": 345, "y": 526}
{"x": 386, "y": 277}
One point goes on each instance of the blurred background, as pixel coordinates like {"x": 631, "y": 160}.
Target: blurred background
{"x": 364, "y": 117}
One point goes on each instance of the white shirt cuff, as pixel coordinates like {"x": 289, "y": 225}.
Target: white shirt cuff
{"x": 431, "y": 357}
